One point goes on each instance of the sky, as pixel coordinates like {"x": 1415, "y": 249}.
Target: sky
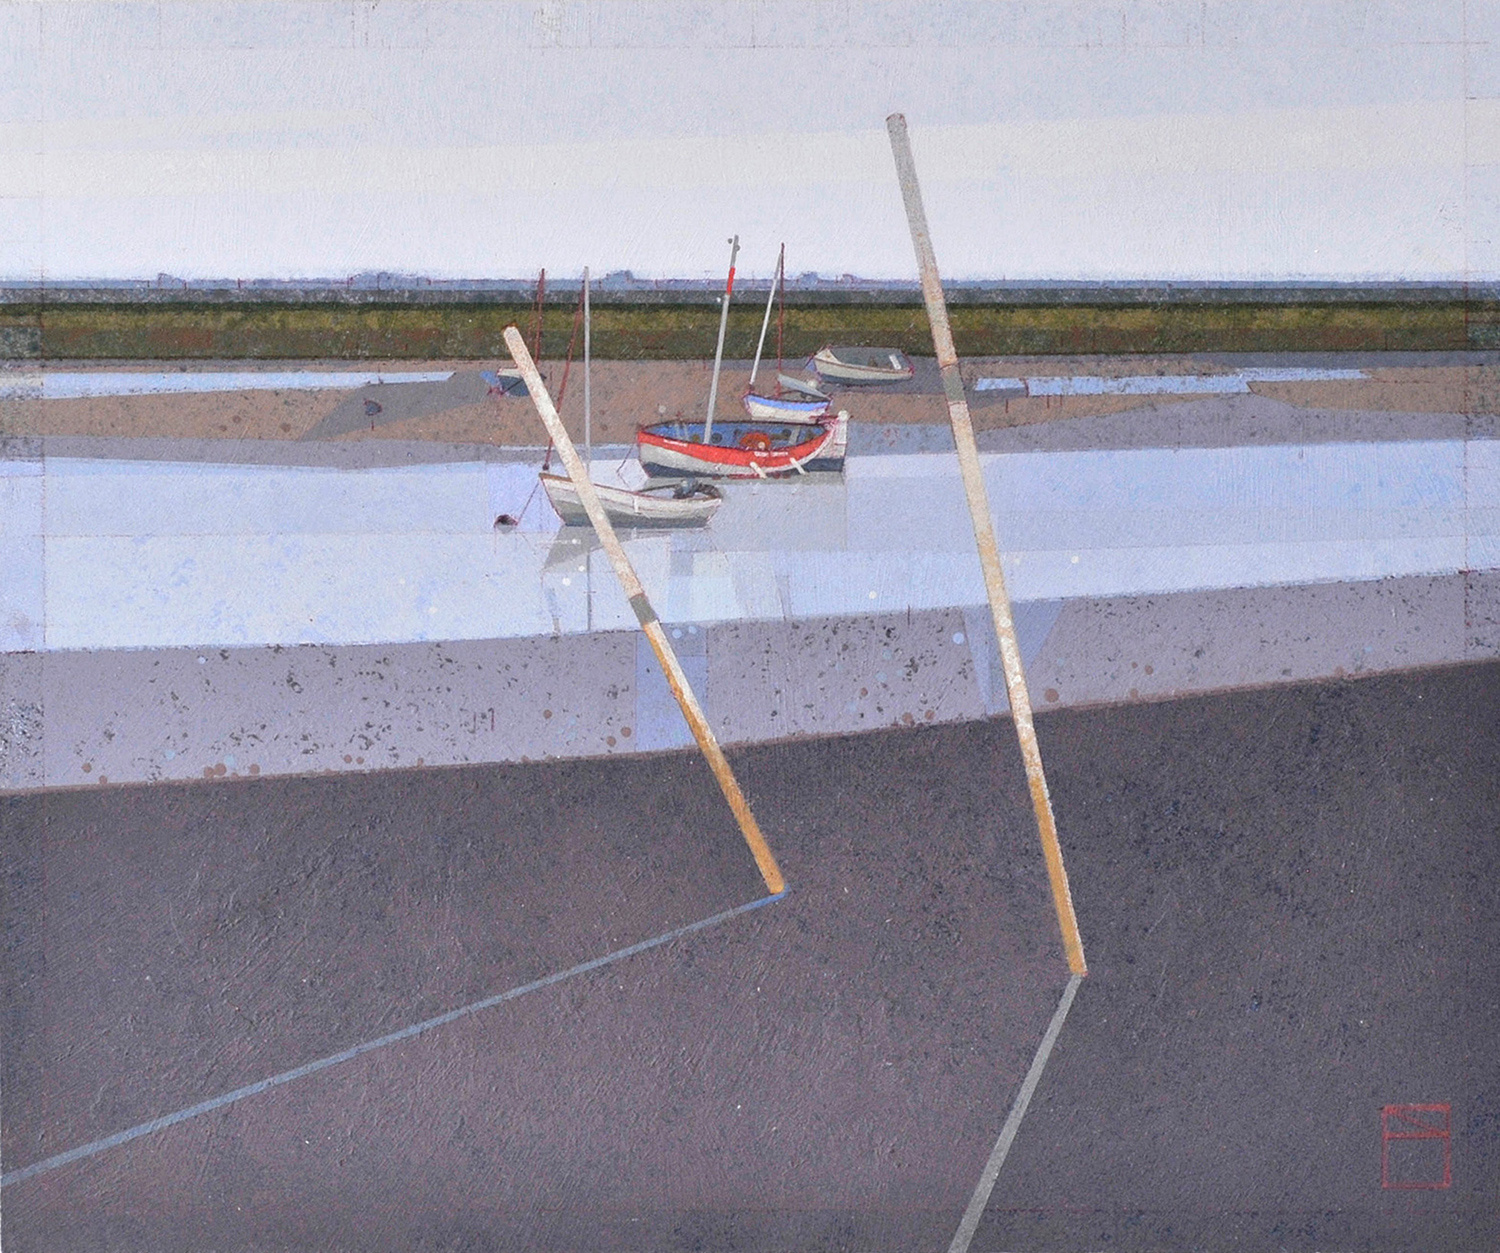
{"x": 1094, "y": 139}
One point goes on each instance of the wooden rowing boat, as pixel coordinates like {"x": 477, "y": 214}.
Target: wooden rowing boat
{"x": 685, "y": 504}
{"x": 799, "y": 409}
{"x": 743, "y": 450}
{"x": 862, "y": 365}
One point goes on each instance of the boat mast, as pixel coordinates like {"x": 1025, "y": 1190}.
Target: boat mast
{"x": 780, "y": 314}
{"x": 766, "y": 321}
{"x": 588, "y": 412}
{"x": 713, "y": 388}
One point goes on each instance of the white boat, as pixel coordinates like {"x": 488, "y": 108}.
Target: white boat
{"x": 862, "y": 365}
{"x": 785, "y": 408}
{"x": 688, "y": 503}
{"x": 806, "y": 404}
{"x": 682, "y": 504}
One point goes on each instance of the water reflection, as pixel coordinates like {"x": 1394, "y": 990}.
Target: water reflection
{"x": 103, "y": 554}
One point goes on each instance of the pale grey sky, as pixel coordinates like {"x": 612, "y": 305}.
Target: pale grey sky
{"x": 1094, "y": 139}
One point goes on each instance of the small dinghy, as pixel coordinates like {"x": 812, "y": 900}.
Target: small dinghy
{"x": 683, "y": 504}
{"x": 792, "y": 400}
{"x": 862, "y": 365}
{"x": 785, "y": 408}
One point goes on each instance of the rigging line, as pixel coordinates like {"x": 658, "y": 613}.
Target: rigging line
{"x": 541, "y": 292}
{"x": 162, "y": 1122}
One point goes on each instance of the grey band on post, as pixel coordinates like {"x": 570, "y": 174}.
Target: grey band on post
{"x": 644, "y": 614}
{"x": 953, "y": 384}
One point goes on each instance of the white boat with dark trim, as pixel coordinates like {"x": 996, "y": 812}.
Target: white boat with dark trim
{"x": 682, "y": 504}
{"x": 862, "y": 365}
{"x": 785, "y": 408}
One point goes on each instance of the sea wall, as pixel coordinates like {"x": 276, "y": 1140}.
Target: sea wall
{"x": 86, "y": 718}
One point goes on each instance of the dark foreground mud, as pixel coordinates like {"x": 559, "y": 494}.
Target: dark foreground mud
{"x": 1289, "y": 900}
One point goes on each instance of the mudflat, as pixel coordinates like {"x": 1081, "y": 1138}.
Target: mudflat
{"x": 1287, "y": 898}
{"x": 627, "y": 394}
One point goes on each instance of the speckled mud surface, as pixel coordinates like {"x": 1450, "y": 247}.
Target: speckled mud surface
{"x": 827, "y": 1068}
{"x": 1287, "y": 896}
{"x": 1292, "y": 914}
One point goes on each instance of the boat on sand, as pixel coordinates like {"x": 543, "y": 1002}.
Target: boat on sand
{"x": 862, "y": 365}
{"x": 740, "y": 449}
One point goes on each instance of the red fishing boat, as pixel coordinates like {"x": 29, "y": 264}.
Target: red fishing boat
{"x": 741, "y": 449}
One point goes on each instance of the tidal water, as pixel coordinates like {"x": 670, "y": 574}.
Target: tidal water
{"x": 151, "y": 554}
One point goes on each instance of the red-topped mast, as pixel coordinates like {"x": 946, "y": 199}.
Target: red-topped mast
{"x": 541, "y": 292}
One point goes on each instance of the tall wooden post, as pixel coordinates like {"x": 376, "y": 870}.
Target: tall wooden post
{"x": 635, "y": 593}
{"x": 984, "y": 537}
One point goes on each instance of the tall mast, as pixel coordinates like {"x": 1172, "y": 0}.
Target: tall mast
{"x": 588, "y": 411}
{"x": 713, "y": 388}
{"x": 766, "y": 321}
{"x": 780, "y": 312}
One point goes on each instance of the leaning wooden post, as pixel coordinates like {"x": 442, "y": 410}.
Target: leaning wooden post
{"x": 984, "y": 537}
{"x": 645, "y": 615}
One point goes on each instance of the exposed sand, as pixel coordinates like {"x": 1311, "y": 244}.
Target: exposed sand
{"x": 629, "y": 393}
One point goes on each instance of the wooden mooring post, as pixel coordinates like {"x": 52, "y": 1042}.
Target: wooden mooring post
{"x": 984, "y": 537}
{"x": 635, "y": 593}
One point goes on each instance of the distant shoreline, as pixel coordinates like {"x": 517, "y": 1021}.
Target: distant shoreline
{"x": 196, "y": 325}
{"x": 804, "y": 290}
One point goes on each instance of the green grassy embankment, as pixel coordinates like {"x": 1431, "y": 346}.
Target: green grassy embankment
{"x": 432, "y": 331}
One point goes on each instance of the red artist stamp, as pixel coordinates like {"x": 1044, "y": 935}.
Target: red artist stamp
{"x": 1416, "y": 1148}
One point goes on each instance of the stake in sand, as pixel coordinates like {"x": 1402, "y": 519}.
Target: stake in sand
{"x": 646, "y": 615}
{"x": 984, "y": 537}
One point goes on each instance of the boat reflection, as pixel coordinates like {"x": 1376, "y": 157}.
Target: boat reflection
{"x": 114, "y": 554}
